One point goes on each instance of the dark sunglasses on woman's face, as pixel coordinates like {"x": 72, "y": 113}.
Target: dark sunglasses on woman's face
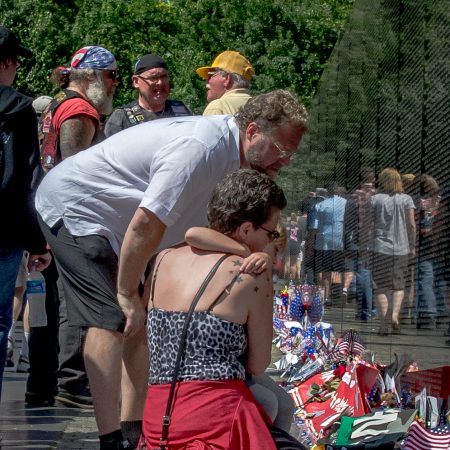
{"x": 273, "y": 234}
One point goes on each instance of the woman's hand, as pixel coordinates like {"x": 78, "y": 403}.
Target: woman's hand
{"x": 256, "y": 263}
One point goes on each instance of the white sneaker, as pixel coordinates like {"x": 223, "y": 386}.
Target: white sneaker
{"x": 10, "y": 352}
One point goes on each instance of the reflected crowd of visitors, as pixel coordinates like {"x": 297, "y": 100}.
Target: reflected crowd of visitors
{"x": 384, "y": 246}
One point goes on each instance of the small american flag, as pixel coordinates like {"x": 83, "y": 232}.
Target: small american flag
{"x": 419, "y": 438}
{"x": 349, "y": 343}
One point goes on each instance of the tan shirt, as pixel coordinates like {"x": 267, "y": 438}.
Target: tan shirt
{"x": 229, "y": 103}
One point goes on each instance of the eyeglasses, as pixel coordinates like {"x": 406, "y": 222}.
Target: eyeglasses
{"x": 111, "y": 74}
{"x": 154, "y": 78}
{"x": 273, "y": 234}
{"x": 281, "y": 151}
{"x": 216, "y": 72}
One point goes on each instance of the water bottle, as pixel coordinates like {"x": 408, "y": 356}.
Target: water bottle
{"x": 36, "y": 298}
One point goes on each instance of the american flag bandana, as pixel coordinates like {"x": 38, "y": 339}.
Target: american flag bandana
{"x": 419, "y": 438}
{"x": 93, "y": 57}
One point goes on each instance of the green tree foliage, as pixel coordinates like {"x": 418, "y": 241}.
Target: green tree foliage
{"x": 288, "y": 41}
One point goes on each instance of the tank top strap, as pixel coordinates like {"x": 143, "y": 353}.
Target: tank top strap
{"x": 155, "y": 272}
{"x": 225, "y": 291}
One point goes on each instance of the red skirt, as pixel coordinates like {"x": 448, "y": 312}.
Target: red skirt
{"x": 207, "y": 415}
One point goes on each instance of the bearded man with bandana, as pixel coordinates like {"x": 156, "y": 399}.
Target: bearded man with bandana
{"x": 69, "y": 124}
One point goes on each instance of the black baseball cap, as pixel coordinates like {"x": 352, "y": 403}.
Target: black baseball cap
{"x": 10, "y": 46}
{"x": 147, "y": 62}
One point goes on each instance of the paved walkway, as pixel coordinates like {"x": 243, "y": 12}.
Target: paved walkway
{"x": 63, "y": 428}
{"x": 57, "y": 427}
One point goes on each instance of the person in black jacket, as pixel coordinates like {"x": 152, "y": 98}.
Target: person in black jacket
{"x": 151, "y": 80}
{"x": 19, "y": 174}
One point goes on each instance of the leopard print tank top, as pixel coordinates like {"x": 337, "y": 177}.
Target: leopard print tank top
{"x": 212, "y": 351}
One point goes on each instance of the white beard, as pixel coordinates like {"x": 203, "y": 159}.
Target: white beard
{"x": 99, "y": 97}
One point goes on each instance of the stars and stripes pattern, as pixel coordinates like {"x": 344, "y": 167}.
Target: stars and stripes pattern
{"x": 93, "y": 57}
{"x": 349, "y": 343}
{"x": 419, "y": 438}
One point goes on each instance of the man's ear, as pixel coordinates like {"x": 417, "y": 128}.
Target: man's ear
{"x": 229, "y": 81}
{"x": 134, "y": 81}
{"x": 252, "y": 130}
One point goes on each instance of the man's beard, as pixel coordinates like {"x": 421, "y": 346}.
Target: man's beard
{"x": 255, "y": 156}
{"x": 98, "y": 96}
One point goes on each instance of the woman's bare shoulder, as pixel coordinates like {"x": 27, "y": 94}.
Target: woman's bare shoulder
{"x": 248, "y": 282}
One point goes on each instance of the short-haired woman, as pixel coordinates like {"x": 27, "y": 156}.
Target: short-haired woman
{"x": 230, "y": 331}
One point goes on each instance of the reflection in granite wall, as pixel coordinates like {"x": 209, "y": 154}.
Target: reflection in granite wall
{"x": 383, "y": 102}
{"x": 383, "y": 97}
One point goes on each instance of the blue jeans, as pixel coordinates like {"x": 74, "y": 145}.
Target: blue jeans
{"x": 426, "y": 299}
{"x": 364, "y": 293}
{"x": 9, "y": 268}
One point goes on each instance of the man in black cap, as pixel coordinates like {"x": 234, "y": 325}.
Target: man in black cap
{"x": 19, "y": 172}
{"x": 151, "y": 79}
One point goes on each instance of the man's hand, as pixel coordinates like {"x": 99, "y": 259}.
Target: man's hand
{"x": 256, "y": 263}
{"x": 41, "y": 262}
{"x": 134, "y": 314}
{"x": 141, "y": 240}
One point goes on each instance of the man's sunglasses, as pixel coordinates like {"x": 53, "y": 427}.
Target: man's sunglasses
{"x": 111, "y": 74}
{"x": 213, "y": 73}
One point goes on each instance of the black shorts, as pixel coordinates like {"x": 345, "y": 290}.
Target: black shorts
{"x": 389, "y": 271}
{"x": 294, "y": 248}
{"x": 88, "y": 268}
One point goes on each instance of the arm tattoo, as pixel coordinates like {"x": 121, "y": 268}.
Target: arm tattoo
{"x": 256, "y": 288}
{"x": 237, "y": 263}
{"x": 76, "y": 134}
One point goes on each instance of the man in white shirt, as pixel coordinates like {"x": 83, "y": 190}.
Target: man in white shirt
{"x": 127, "y": 197}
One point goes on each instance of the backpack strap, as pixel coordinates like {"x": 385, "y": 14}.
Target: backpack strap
{"x": 48, "y": 137}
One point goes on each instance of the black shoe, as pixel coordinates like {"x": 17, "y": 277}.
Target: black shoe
{"x": 38, "y": 400}
{"x": 74, "y": 400}
{"x": 9, "y": 363}
{"x": 117, "y": 445}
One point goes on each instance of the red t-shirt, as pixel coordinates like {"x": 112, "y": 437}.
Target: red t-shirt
{"x": 74, "y": 107}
